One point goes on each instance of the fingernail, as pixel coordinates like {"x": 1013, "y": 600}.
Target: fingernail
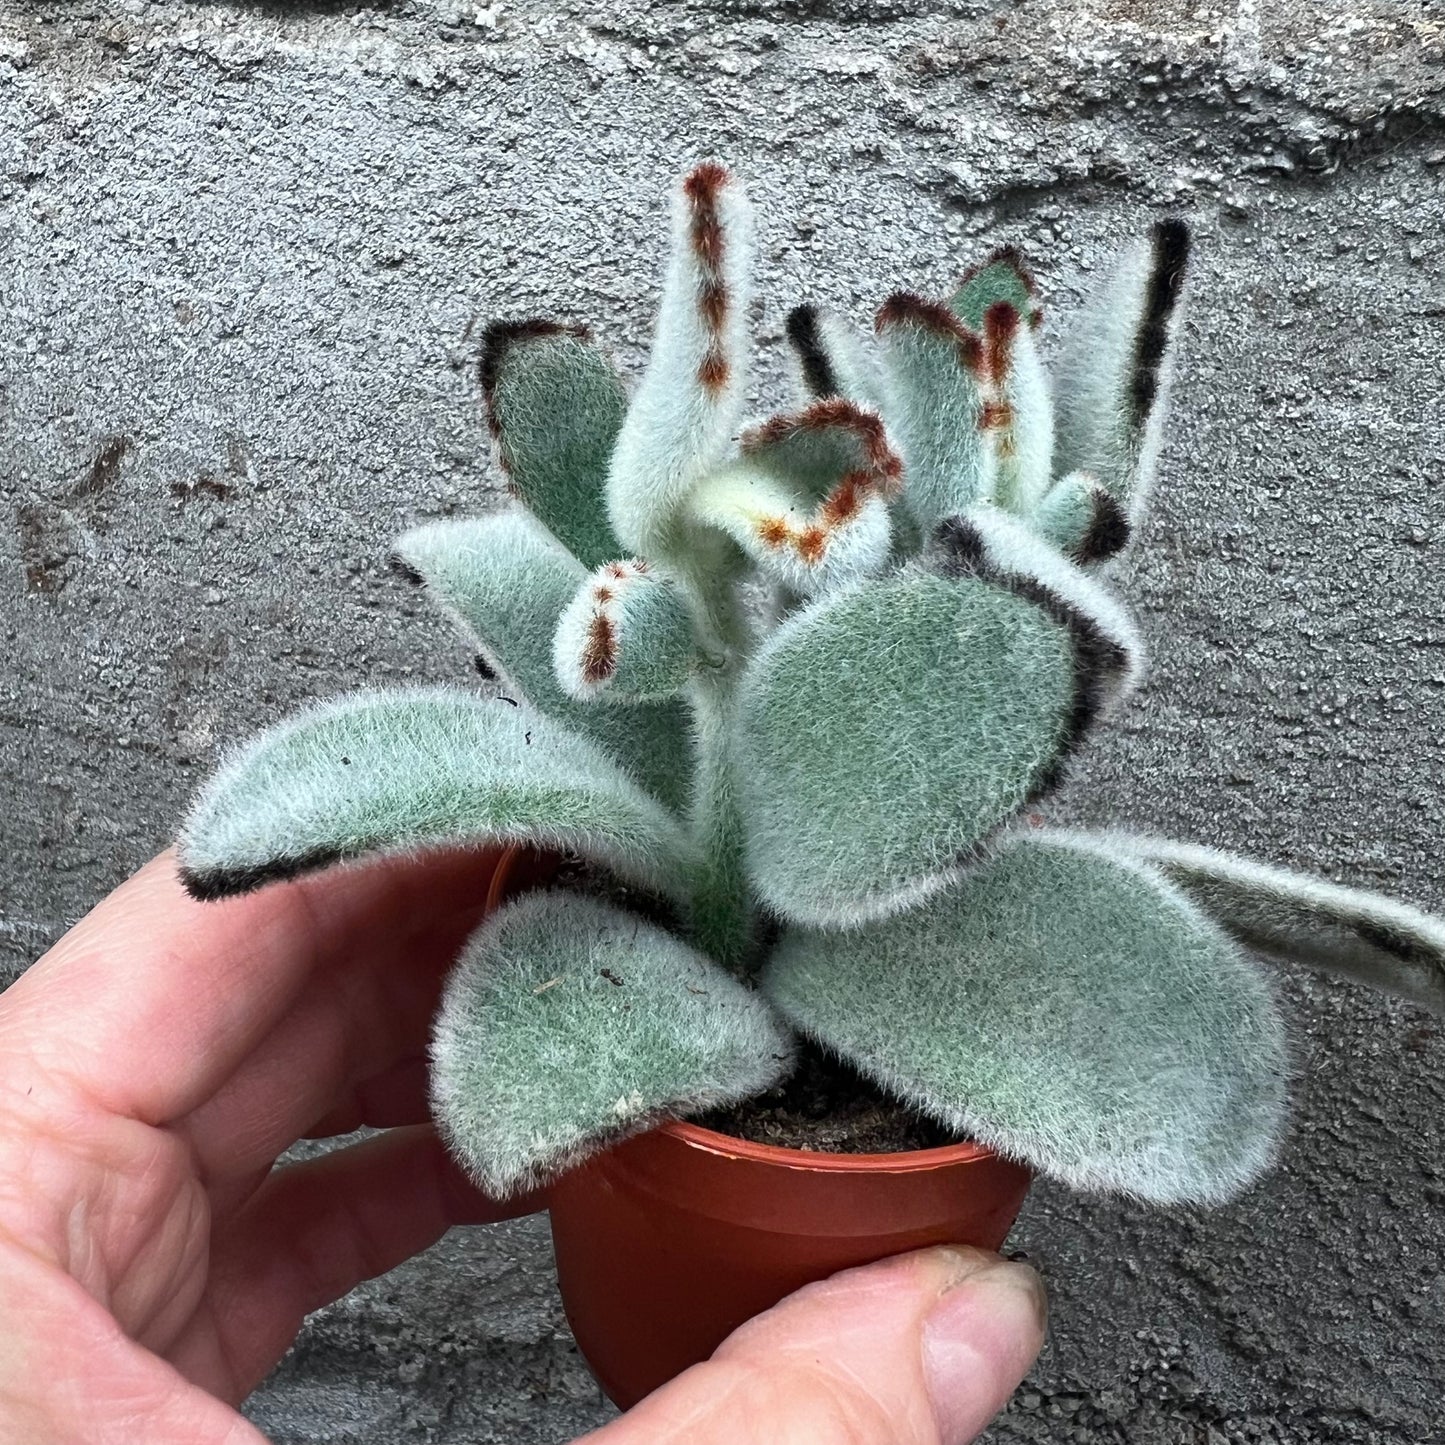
{"x": 979, "y": 1341}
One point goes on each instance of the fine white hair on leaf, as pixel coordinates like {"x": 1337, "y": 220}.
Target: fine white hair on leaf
{"x": 689, "y": 402}
{"x": 555, "y": 405}
{"x": 940, "y": 407}
{"x": 807, "y": 501}
{"x": 627, "y": 636}
{"x": 505, "y": 582}
{"x": 1083, "y": 520}
{"x": 569, "y": 1024}
{"x": 1342, "y": 931}
{"x": 1066, "y": 1008}
{"x": 382, "y": 773}
{"x": 888, "y": 730}
{"x": 833, "y": 358}
{"x": 1116, "y": 366}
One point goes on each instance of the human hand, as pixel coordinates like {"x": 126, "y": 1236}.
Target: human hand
{"x": 154, "y": 1266}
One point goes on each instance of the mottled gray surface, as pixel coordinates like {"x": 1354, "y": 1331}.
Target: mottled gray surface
{"x": 245, "y": 249}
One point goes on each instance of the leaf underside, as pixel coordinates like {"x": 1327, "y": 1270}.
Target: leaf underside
{"x": 1066, "y": 1009}
{"x": 568, "y": 1024}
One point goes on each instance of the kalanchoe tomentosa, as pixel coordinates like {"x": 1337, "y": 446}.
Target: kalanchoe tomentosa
{"x": 788, "y": 691}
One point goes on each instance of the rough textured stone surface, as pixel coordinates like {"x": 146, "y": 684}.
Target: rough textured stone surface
{"x": 244, "y": 252}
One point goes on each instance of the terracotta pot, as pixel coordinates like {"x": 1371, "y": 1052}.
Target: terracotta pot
{"x": 668, "y": 1242}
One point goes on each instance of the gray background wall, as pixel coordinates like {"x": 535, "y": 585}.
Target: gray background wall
{"x": 244, "y": 250}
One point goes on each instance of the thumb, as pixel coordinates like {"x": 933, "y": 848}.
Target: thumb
{"x": 923, "y": 1349}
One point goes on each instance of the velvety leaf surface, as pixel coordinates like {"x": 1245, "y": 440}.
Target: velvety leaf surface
{"x": 568, "y": 1024}
{"x": 885, "y": 731}
{"x": 556, "y": 405}
{"x": 1114, "y": 370}
{"x": 388, "y": 772}
{"x": 1065, "y": 1008}
{"x": 1345, "y": 931}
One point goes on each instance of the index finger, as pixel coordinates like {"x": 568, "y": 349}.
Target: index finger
{"x": 151, "y": 1002}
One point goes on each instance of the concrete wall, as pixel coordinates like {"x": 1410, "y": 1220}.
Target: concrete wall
{"x": 244, "y": 250}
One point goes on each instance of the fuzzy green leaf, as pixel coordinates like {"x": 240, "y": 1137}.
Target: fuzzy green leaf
{"x": 1003, "y": 277}
{"x": 1065, "y": 1009}
{"x": 833, "y": 360}
{"x": 807, "y": 500}
{"x": 388, "y": 772}
{"x": 1115, "y": 369}
{"x": 555, "y": 405}
{"x": 1082, "y": 520}
{"x": 937, "y": 388}
{"x": 627, "y": 636}
{"x": 568, "y": 1024}
{"x": 887, "y": 730}
{"x": 997, "y": 300}
{"x": 1343, "y": 931}
{"x": 688, "y": 405}
{"x": 507, "y": 583}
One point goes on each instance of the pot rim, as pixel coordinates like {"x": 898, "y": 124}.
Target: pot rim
{"x": 695, "y": 1136}
{"x": 710, "y": 1141}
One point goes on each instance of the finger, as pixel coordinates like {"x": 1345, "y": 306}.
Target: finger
{"x": 152, "y": 1001}
{"x": 68, "y": 1372}
{"x": 920, "y": 1350}
{"x": 346, "y": 1027}
{"x": 392, "y": 1099}
{"x": 313, "y": 1232}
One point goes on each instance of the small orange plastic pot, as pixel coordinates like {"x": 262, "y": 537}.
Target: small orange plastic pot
{"x": 668, "y": 1242}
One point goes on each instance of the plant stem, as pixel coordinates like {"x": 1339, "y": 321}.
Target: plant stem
{"x": 722, "y": 904}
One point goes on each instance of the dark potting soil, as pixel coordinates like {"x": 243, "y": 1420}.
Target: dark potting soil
{"x": 828, "y": 1107}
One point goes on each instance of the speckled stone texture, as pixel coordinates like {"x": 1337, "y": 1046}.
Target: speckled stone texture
{"x": 245, "y": 252}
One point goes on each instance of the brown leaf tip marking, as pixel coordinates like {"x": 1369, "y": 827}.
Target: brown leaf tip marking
{"x": 1013, "y": 258}
{"x": 880, "y": 466}
{"x": 1000, "y": 330}
{"x": 599, "y": 651}
{"x": 703, "y": 190}
{"x": 905, "y": 309}
{"x": 1169, "y": 266}
{"x": 498, "y": 340}
{"x": 818, "y": 374}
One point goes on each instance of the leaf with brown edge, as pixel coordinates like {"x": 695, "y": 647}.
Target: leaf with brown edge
{"x": 555, "y": 406}
{"x": 807, "y": 501}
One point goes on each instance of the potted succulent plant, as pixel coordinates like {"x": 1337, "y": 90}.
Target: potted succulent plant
{"x": 785, "y": 701}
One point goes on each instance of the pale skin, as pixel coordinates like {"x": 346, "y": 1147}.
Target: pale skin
{"x": 155, "y": 1266}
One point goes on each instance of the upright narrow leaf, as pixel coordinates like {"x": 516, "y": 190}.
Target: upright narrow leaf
{"x": 1116, "y": 365}
{"x": 942, "y": 411}
{"x": 507, "y": 583}
{"x": 807, "y": 501}
{"x": 555, "y": 406}
{"x": 1357, "y": 935}
{"x": 833, "y": 360}
{"x": 568, "y": 1024}
{"x": 389, "y": 772}
{"x": 688, "y": 405}
{"x": 1066, "y": 1009}
{"x": 999, "y": 301}
{"x": 627, "y": 636}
